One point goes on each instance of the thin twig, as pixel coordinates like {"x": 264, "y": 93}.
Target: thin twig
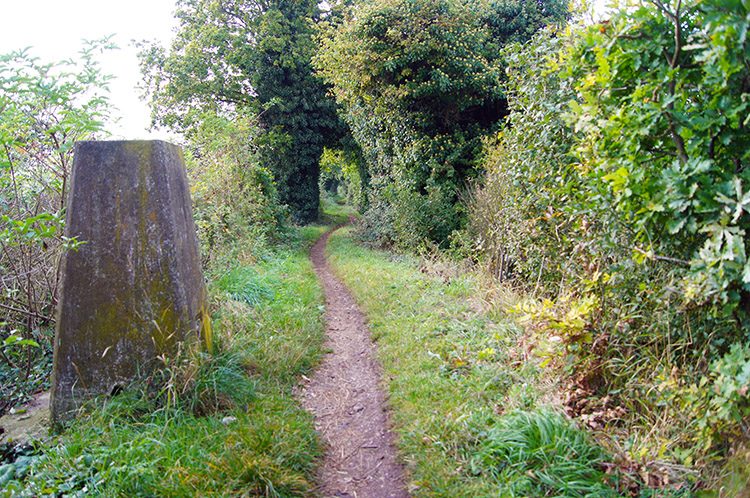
{"x": 30, "y": 314}
{"x": 663, "y": 258}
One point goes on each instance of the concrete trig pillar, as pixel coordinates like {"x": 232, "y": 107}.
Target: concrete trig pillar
{"x": 134, "y": 289}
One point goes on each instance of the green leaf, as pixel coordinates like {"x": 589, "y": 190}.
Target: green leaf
{"x": 676, "y": 224}
{"x": 746, "y": 273}
{"x": 15, "y": 340}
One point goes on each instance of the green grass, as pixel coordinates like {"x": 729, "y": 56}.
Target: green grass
{"x": 468, "y": 413}
{"x": 205, "y": 425}
{"x": 245, "y": 284}
{"x": 471, "y": 412}
{"x": 336, "y": 211}
{"x": 540, "y": 453}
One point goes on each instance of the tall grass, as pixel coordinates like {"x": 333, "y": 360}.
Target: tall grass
{"x": 541, "y": 453}
{"x": 245, "y": 284}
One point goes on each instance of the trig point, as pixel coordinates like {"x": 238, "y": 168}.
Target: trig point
{"x": 134, "y": 289}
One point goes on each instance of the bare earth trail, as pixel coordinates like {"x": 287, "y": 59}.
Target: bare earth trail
{"x": 348, "y": 406}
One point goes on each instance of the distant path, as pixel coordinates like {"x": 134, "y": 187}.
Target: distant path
{"x": 344, "y": 397}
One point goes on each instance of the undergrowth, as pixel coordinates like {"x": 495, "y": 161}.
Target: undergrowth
{"x": 476, "y": 411}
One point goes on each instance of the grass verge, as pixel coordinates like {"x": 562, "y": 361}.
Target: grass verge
{"x": 204, "y": 425}
{"x": 475, "y": 414}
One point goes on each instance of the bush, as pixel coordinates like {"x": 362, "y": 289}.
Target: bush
{"x": 661, "y": 102}
{"x": 720, "y": 401}
{"x": 618, "y": 189}
{"x": 418, "y": 83}
{"x": 233, "y": 196}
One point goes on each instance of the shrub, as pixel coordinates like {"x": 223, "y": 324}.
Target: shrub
{"x": 618, "y": 184}
{"x": 720, "y": 401}
{"x": 418, "y": 83}
{"x": 233, "y": 196}
{"x": 44, "y": 110}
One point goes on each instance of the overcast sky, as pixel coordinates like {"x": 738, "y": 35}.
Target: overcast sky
{"x": 54, "y": 29}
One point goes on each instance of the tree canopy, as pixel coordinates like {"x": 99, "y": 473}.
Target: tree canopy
{"x": 420, "y": 84}
{"x": 249, "y": 56}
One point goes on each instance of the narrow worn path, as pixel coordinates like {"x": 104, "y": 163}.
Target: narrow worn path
{"x": 348, "y": 406}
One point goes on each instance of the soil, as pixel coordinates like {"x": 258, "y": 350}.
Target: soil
{"x": 344, "y": 396}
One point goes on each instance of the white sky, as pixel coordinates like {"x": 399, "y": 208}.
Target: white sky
{"x": 55, "y": 30}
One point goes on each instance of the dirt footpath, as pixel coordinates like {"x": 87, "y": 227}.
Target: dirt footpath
{"x": 345, "y": 398}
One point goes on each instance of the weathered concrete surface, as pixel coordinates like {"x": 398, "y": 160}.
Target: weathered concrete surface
{"x": 30, "y": 422}
{"x": 135, "y": 289}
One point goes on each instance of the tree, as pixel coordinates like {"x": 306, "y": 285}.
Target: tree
{"x": 240, "y": 56}
{"x": 209, "y": 66}
{"x": 300, "y": 118}
{"x": 419, "y": 82}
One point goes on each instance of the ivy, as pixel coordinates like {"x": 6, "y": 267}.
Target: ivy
{"x": 239, "y": 58}
{"x": 419, "y": 84}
